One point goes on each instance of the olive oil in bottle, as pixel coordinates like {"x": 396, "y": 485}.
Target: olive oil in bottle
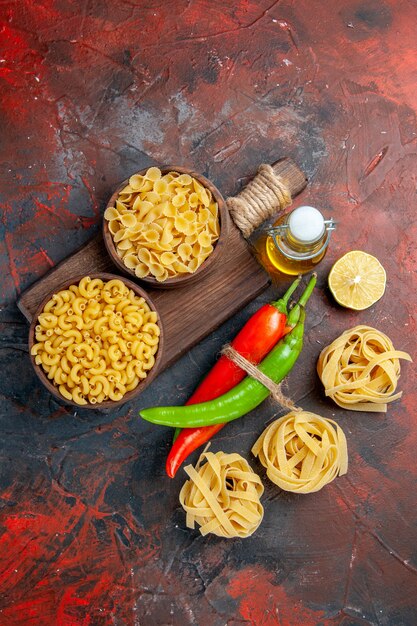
{"x": 296, "y": 243}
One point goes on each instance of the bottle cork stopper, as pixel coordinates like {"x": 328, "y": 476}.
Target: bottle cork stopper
{"x": 306, "y": 224}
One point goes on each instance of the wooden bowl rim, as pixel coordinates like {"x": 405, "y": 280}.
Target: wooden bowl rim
{"x": 177, "y": 281}
{"x": 130, "y": 395}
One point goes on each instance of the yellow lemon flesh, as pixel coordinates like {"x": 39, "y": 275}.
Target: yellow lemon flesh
{"x": 357, "y": 280}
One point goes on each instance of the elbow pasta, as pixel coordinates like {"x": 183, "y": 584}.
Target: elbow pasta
{"x": 96, "y": 340}
{"x": 163, "y": 225}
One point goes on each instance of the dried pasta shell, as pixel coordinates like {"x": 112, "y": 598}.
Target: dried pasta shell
{"x": 156, "y": 269}
{"x": 180, "y": 267}
{"x": 136, "y": 182}
{"x": 124, "y": 244}
{"x": 193, "y": 265}
{"x": 144, "y": 256}
{"x": 143, "y": 206}
{"x": 157, "y": 246}
{"x": 128, "y": 220}
{"x": 196, "y": 249}
{"x": 168, "y": 258}
{"x": 205, "y": 199}
{"x": 114, "y": 226}
{"x": 167, "y": 236}
{"x": 161, "y": 221}
{"x": 184, "y": 179}
{"x": 162, "y": 276}
{"x": 153, "y": 197}
{"x": 204, "y": 239}
{"x": 131, "y": 261}
{"x": 193, "y": 200}
{"x": 213, "y": 225}
{"x": 153, "y": 174}
{"x": 161, "y": 186}
{"x": 151, "y": 235}
{"x": 203, "y": 216}
{"x": 205, "y": 252}
{"x": 214, "y": 209}
{"x": 155, "y": 213}
{"x": 178, "y": 200}
{"x": 169, "y": 210}
{"x": 190, "y": 229}
{"x": 121, "y": 207}
{"x": 137, "y": 228}
{"x": 191, "y": 239}
{"x": 181, "y": 224}
{"x": 185, "y": 251}
{"x": 141, "y": 270}
{"x": 121, "y": 234}
{"x": 111, "y": 214}
{"x": 190, "y": 216}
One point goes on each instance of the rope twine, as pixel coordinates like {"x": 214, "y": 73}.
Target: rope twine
{"x": 255, "y": 373}
{"x": 260, "y": 200}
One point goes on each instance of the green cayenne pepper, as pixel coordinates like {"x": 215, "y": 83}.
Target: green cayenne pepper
{"x": 243, "y": 398}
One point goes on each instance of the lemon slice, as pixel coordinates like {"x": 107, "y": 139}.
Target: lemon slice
{"x": 357, "y": 280}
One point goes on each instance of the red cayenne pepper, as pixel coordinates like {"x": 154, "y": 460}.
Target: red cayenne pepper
{"x": 256, "y": 339}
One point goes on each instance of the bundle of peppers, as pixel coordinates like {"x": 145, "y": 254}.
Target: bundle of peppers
{"x": 227, "y": 393}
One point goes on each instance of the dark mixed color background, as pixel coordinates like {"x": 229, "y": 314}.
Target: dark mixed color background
{"x": 91, "y": 530}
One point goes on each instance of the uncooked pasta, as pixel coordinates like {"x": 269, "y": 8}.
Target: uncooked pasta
{"x": 360, "y": 370}
{"x": 163, "y": 225}
{"x": 96, "y": 340}
{"x": 222, "y": 496}
{"x": 302, "y": 452}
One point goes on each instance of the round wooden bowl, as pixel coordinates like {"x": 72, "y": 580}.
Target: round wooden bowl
{"x": 206, "y": 266}
{"x": 130, "y": 395}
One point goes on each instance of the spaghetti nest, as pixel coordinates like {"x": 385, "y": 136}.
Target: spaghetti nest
{"x": 302, "y": 452}
{"x": 222, "y": 496}
{"x": 360, "y": 369}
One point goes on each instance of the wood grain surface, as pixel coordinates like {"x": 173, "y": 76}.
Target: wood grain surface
{"x": 91, "y": 530}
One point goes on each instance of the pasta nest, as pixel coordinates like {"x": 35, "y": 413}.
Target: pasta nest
{"x": 360, "y": 369}
{"x": 302, "y": 452}
{"x": 222, "y": 496}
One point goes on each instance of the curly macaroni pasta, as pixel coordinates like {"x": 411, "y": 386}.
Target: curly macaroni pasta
{"x": 360, "y": 369}
{"x": 222, "y": 496}
{"x": 163, "y": 225}
{"x": 96, "y": 340}
{"x": 302, "y": 451}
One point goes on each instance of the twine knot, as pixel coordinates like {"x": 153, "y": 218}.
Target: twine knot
{"x": 259, "y": 201}
{"x": 254, "y": 372}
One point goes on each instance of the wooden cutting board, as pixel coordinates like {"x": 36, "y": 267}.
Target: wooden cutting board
{"x": 191, "y": 312}
{"x": 188, "y": 313}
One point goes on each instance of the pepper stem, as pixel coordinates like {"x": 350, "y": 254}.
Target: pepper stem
{"x": 176, "y": 433}
{"x": 294, "y": 314}
{"x": 308, "y": 290}
{"x": 281, "y": 304}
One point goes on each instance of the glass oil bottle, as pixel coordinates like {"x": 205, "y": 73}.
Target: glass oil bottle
{"x": 295, "y": 243}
